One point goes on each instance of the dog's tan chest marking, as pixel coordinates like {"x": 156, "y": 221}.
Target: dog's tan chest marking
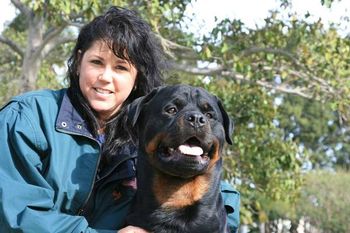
{"x": 176, "y": 193}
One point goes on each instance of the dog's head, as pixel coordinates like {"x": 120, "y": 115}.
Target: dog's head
{"x": 181, "y": 129}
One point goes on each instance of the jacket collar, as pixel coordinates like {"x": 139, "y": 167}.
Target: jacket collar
{"x": 69, "y": 120}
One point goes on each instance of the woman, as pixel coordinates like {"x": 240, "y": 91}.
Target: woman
{"x": 63, "y": 166}
{"x": 51, "y": 140}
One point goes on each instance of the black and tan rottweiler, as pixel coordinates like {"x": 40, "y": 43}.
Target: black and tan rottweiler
{"x": 181, "y": 131}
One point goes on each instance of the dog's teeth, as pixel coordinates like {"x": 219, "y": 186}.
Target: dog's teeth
{"x": 190, "y": 150}
{"x": 170, "y": 150}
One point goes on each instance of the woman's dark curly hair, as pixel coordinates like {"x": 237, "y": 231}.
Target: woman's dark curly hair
{"x": 131, "y": 39}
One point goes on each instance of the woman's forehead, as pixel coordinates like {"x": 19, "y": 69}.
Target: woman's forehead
{"x": 102, "y": 48}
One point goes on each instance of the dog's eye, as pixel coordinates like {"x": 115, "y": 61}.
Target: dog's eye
{"x": 209, "y": 115}
{"x": 171, "y": 110}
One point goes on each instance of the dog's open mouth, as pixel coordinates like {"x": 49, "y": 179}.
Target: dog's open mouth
{"x": 191, "y": 148}
{"x": 185, "y": 158}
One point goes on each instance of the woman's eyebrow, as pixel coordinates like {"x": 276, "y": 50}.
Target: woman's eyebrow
{"x": 95, "y": 56}
{"x": 122, "y": 61}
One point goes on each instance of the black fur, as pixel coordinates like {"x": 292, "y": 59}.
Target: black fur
{"x": 166, "y": 118}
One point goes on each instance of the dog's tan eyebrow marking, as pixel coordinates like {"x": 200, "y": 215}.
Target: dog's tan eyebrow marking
{"x": 205, "y": 106}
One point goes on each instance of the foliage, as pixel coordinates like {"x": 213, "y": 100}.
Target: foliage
{"x": 293, "y": 58}
{"x": 325, "y": 201}
{"x": 307, "y": 59}
{"x": 326, "y": 140}
{"x": 10, "y": 68}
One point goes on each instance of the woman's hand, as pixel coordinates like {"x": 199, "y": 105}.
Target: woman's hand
{"x": 132, "y": 229}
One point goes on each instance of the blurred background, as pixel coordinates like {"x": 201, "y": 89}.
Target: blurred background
{"x": 281, "y": 68}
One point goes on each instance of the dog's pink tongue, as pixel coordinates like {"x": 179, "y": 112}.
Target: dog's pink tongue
{"x": 190, "y": 150}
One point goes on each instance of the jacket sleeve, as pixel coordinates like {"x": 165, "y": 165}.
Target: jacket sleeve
{"x": 231, "y": 199}
{"x": 26, "y": 199}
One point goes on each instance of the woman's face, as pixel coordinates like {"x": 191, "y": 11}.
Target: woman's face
{"x": 105, "y": 80}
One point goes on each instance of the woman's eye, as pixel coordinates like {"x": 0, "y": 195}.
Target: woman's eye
{"x": 96, "y": 62}
{"x": 121, "y": 68}
{"x": 171, "y": 110}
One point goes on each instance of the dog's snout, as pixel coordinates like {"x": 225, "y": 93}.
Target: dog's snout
{"x": 196, "y": 119}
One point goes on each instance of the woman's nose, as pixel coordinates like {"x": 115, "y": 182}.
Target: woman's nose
{"x": 106, "y": 75}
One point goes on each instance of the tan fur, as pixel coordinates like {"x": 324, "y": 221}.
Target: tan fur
{"x": 216, "y": 154}
{"x": 172, "y": 192}
{"x": 152, "y": 146}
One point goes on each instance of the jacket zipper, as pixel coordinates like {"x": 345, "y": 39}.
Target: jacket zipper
{"x": 81, "y": 210}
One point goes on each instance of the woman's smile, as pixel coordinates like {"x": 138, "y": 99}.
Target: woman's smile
{"x": 102, "y": 91}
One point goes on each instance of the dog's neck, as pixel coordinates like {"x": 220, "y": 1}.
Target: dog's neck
{"x": 175, "y": 192}
{"x": 179, "y": 192}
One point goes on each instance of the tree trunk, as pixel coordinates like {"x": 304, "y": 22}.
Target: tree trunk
{"x": 30, "y": 70}
{"x": 32, "y": 57}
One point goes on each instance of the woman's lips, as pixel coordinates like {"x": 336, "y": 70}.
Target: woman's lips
{"x": 103, "y": 91}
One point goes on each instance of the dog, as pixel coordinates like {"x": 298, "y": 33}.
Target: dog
{"x": 181, "y": 131}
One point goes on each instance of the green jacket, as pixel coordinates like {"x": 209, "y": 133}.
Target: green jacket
{"x": 50, "y": 178}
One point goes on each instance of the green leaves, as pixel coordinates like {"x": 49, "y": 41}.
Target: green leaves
{"x": 325, "y": 200}
{"x": 327, "y": 3}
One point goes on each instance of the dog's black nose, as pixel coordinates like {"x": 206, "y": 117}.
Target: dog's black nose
{"x": 196, "y": 119}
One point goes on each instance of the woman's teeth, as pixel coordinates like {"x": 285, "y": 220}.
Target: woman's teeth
{"x": 102, "y": 91}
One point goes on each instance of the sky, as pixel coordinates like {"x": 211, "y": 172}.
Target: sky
{"x": 7, "y": 12}
{"x": 251, "y": 12}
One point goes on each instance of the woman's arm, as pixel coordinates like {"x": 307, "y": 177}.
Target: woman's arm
{"x": 27, "y": 199}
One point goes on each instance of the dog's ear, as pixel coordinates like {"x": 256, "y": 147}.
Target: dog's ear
{"x": 228, "y": 123}
{"x": 134, "y": 109}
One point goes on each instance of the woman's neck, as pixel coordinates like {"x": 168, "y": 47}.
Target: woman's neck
{"x": 102, "y": 126}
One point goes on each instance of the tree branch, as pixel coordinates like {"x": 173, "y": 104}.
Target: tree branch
{"x": 221, "y": 71}
{"x": 302, "y": 73}
{"x": 49, "y": 40}
{"x": 315, "y": 81}
{"x": 195, "y": 70}
{"x": 53, "y": 33}
{"x": 253, "y": 50}
{"x": 324, "y": 85}
{"x": 21, "y": 7}
{"x": 12, "y": 45}
{"x": 169, "y": 47}
{"x": 54, "y": 43}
